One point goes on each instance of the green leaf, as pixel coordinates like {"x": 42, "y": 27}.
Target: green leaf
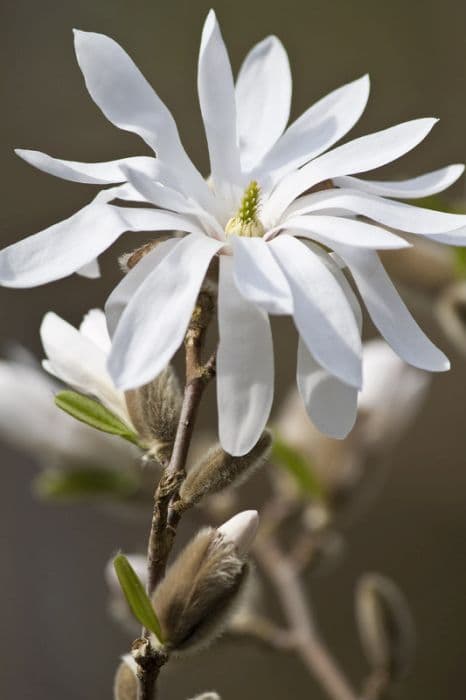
{"x": 299, "y": 467}
{"x": 92, "y": 413}
{"x": 136, "y": 596}
{"x": 85, "y": 482}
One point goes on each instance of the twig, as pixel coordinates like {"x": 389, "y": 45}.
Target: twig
{"x": 376, "y": 686}
{"x": 307, "y": 642}
{"x": 165, "y": 517}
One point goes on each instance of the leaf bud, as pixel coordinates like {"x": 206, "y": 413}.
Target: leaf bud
{"x": 218, "y": 469}
{"x": 196, "y": 598}
{"x": 155, "y": 410}
{"x": 385, "y": 625}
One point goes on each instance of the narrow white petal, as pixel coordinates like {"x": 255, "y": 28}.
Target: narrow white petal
{"x": 322, "y": 125}
{"x": 161, "y": 195}
{"x": 263, "y": 99}
{"x": 91, "y": 270}
{"x": 245, "y": 368}
{"x": 153, "y": 325}
{"x": 415, "y": 188}
{"x": 322, "y": 313}
{"x": 79, "y": 362}
{"x": 333, "y": 229}
{"x": 94, "y": 327}
{"x": 403, "y": 217}
{"x": 330, "y": 404}
{"x": 357, "y": 156}
{"x": 389, "y": 313}
{"x": 125, "y": 97}
{"x": 91, "y": 173}
{"x": 63, "y": 248}
{"x": 457, "y": 237}
{"x": 258, "y": 276}
{"x": 156, "y": 220}
{"x": 119, "y": 298}
{"x": 217, "y": 99}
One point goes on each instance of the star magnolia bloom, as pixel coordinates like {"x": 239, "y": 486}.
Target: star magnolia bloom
{"x": 79, "y": 358}
{"x": 30, "y": 421}
{"x": 277, "y": 202}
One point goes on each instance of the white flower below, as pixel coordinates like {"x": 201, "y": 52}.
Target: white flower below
{"x": 30, "y": 421}
{"x": 79, "y": 358}
{"x": 282, "y": 211}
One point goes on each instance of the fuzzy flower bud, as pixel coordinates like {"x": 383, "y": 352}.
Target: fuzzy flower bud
{"x": 155, "y": 410}
{"x": 385, "y": 625}
{"x": 194, "y": 600}
{"x": 218, "y": 469}
{"x": 125, "y": 683}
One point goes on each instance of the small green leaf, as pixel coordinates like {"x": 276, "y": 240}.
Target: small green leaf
{"x": 85, "y": 482}
{"x": 136, "y": 596}
{"x": 292, "y": 461}
{"x": 92, "y": 413}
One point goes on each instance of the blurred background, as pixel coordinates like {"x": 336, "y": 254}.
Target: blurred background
{"x": 57, "y": 639}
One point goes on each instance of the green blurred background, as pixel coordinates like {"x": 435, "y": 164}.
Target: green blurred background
{"x": 56, "y": 637}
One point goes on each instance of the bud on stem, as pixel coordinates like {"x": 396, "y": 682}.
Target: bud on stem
{"x": 218, "y": 469}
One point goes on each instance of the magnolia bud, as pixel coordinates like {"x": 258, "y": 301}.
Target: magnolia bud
{"x": 155, "y": 410}
{"x": 218, "y": 469}
{"x": 385, "y": 625}
{"x": 195, "y": 599}
{"x": 125, "y": 684}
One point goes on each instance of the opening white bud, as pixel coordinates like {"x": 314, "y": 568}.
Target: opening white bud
{"x": 240, "y": 530}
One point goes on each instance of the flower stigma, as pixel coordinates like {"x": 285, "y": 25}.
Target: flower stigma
{"x": 246, "y": 222}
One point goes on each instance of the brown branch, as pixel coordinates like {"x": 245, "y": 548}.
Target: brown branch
{"x": 307, "y": 642}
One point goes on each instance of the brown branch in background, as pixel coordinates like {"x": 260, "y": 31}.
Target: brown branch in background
{"x": 306, "y": 640}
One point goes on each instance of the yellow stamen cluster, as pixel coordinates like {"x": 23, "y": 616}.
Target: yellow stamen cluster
{"x": 246, "y": 222}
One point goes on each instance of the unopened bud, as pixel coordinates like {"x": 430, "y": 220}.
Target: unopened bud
{"x": 155, "y": 410}
{"x": 385, "y": 625}
{"x": 196, "y": 598}
{"x": 451, "y": 314}
{"x": 125, "y": 684}
{"x": 218, "y": 469}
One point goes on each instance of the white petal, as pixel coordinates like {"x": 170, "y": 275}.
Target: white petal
{"x": 63, "y": 248}
{"x": 91, "y": 270}
{"x": 258, "y": 277}
{"x": 403, "y": 217}
{"x": 330, "y": 404}
{"x": 161, "y": 195}
{"x": 263, "y": 99}
{"x": 241, "y": 530}
{"x": 422, "y": 186}
{"x": 218, "y": 107}
{"x": 457, "y": 237}
{"x": 334, "y": 229}
{"x": 119, "y": 298}
{"x": 357, "y": 156}
{"x": 79, "y": 362}
{"x": 156, "y": 220}
{"x": 389, "y": 313}
{"x": 125, "y": 97}
{"x": 322, "y": 312}
{"x": 317, "y": 129}
{"x": 94, "y": 327}
{"x": 153, "y": 325}
{"x": 245, "y": 369}
{"x": 91, "y": 173}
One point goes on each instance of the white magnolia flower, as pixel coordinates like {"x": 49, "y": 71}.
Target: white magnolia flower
{"x": 30, "y": 421}
{"x": 277, "y": 202}
{"x": 79, "y": 358}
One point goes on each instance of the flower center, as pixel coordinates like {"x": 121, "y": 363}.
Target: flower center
{"x": 246, "y": 222}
